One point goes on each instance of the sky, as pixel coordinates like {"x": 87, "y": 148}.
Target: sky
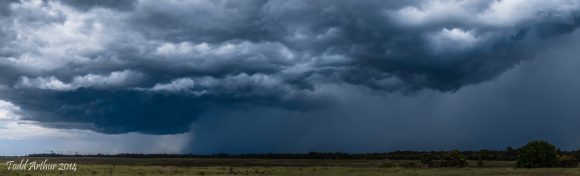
{"x": 287, "y": 76}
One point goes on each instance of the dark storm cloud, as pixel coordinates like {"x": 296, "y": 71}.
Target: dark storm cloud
{"x": 535, "y": 100}
{"x": 164, "y": 109}
{"x": 113, "y": 4}
{"x": 156, "y": 67}
{"x": 368, "y": 34}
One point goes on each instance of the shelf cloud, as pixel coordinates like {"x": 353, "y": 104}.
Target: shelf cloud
{"x": 158, "y": 67}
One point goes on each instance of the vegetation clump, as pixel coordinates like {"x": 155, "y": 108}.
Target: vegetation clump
{"x": 454, "y": 159}
{"x": 567, "y": 161}
{"x": 428, "y": 159}
{"x": 450, "y": 159}
{"x": 537, "y": 154}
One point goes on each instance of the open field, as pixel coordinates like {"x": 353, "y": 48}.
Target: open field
{"x": 281, "y": 167}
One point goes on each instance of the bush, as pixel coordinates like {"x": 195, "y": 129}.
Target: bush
{"x": 454, "y": 159}
{"x": 428, "y": 159}
{"x": 537, "y": 154}
{"x": 567, "y": 161}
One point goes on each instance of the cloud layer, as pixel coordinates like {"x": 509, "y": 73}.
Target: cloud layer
{"x": 156, "y": 67}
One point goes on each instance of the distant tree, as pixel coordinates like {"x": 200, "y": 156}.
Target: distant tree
{"x": 537, "y": 154}
{"x": 567, "y": 161}
{"x": 454, "y": 159}
{"x": 511, "y": 153}
{"x": 428, "y": 159}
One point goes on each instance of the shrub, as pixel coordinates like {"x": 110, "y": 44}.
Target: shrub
{"x": 428, "y": 159}
{"x": 567, "y": 161}
{"x": 537, "y": 154}
{"x": 454, "y": 159}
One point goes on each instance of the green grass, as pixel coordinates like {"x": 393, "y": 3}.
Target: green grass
{"x": 274, "y": 167}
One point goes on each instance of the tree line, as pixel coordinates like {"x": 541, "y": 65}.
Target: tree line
{"x": 397, "y": 155}
{"x": 534, "y": 154}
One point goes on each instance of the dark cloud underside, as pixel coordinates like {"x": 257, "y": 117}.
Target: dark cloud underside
{"x": 156, "y": 67}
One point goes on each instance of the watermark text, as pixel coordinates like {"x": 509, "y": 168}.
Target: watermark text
{"x": 28, "y": 165}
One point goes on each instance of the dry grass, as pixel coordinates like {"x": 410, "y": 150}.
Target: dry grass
{"x": 262, "y": 167}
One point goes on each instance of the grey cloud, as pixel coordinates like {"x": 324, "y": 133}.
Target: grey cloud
{"x": 112, "y": 80}
{"x": 113, "y": 4}
{"x": 535, "y": 100}
{"x": 196, "y": 56}
{"x": 368, "y": 36}
{"x": 166, "y": 108}
{"x": 5, "y": 6}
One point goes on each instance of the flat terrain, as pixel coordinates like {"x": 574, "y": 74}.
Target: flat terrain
{"x": 261, "y": 167}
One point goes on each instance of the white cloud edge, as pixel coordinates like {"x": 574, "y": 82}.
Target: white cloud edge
{"x": 113, "y": 79}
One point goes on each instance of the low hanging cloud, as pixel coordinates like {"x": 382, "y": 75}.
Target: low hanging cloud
{"x": 114, "y": 79}
{"x": 154, "y": 67}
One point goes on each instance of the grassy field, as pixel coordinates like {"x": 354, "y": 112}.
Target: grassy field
{"x": 262, "y": 167}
